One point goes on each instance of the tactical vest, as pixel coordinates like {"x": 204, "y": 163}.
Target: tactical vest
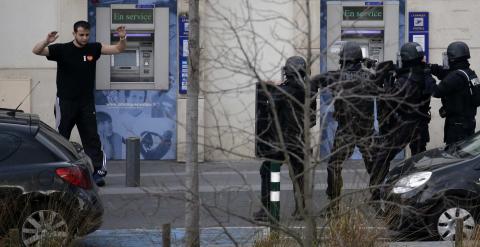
{"x": 354, "y": 96}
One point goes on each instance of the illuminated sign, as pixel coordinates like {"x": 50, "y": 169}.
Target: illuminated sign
{"x": 132, "y": 16}
{"x": 363, "y": 13}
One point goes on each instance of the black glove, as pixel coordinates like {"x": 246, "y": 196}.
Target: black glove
{"x": 442, "y": 112}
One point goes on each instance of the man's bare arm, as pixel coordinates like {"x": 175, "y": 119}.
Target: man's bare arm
{"x": 41, "y": 48}
{"x": 120, "y": 46}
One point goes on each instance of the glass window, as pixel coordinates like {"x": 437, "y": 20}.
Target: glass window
{"x": 9, "y": 145}
{"x": 127, "y": 58}
{"x": 468, "y": 147}
{"x": 25, "y": 149}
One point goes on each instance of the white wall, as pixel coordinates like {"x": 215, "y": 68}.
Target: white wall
{"x": 26, "y": 23}
{"x": 229, "y": 83}
{"x": 449, "y": 21}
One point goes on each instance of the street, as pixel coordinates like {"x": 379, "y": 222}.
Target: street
{"x": 229, "y": 194}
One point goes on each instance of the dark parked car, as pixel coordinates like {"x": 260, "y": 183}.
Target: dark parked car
{"x": 46, "y": 187}
{"x": 432, "y": 190}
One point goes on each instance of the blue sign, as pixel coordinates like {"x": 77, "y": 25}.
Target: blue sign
{"x": 418, "y": 30}
{"x": 373, "y": 3}
{"x": 183, "y": 53}
{"x": 144, "y": 6}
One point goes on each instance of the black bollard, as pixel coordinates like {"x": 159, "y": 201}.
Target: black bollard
{"x": 132, "y": 173}
{"x": 166, "y": 232}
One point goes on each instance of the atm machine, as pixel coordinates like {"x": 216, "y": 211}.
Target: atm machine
{"x": 374, "y": 25}
{"x": 144, "y": 63}
{"x": 136, "y": 63}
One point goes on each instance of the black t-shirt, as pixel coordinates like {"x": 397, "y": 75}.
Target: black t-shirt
{"x": 75, "y": 69}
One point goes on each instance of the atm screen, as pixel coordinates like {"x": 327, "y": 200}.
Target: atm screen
{"x": 126, "y": 58}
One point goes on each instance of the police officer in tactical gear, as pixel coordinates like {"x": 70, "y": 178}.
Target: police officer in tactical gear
{"x": 421, "y": 134}
{"x": 454, "y": 90}
{"x": 354, "y": 91}
{"x": 288, "y": 103}
{"x": 409, "y": 102}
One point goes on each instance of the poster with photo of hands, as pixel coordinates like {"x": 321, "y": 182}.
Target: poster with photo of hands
{"x": 147, "y": 114}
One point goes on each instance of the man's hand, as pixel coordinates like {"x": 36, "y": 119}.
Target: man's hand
{"x": 52, "y": 36}
{"x": 121, "y": 31}
{"x": 272, "y": 82}
{"x": 41, "y": 47}
{"x": 120, "y": 46}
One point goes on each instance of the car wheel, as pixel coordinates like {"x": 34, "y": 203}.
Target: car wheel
{"x": 44, "y": 226}
{"x": 446, "y": 222}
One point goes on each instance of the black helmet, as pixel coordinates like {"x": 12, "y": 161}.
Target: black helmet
{"x": 294, "y": 66}
{"x": 411, "y": 51}
{"x": 458, "y": 50}
{"x": 351, "y": 51}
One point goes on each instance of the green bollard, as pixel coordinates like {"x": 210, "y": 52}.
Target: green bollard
{"x": 274, "y": 206}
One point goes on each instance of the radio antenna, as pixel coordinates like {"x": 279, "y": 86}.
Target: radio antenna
{"x": 31, "y": 90}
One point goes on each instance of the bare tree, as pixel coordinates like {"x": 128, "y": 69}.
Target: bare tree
{"x": 248, "y": 42}
{"x": 192, "y": 214}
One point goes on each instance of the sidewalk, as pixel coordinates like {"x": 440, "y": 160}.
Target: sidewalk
{"x": 163, "y": 176}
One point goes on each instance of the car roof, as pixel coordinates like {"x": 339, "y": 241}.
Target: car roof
{"x": 15, "y": 117}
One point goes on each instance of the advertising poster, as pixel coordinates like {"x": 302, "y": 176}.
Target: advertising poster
{"x": 147, "y": 114}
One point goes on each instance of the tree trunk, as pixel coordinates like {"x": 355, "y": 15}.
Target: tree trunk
{"x": 192, "y": 211}
{"x": 310, "y": 224}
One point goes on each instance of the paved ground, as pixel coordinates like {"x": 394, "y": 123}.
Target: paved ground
{"x": 229, "y": 193}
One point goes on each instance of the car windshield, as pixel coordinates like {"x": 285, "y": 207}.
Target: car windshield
{"x": 468, "y": 147}
{"x": 55, "y": 137}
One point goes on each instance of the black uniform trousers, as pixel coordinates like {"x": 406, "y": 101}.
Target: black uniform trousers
{"x": 420, "y": 138}
{"x": 458, "y": 128}
{"x": 388, "y": 147}
{"x": 69, "y": 113}
{"x": 347, "y": 136}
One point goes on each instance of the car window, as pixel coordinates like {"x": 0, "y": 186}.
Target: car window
{"x": 9, "y": 145}
{"x": 27, "y": 151}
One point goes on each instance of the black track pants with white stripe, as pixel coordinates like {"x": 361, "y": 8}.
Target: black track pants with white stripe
{"x": 69, "y": 113}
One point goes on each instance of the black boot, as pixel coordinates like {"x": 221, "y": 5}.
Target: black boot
{"x": 260, "y": 215}
{"x": 297, "y": 214}
{"x": 331, "y": 210}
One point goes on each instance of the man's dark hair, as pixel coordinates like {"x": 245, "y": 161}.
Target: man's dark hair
{"x": 85, "y": 25}
{"x": 127, "y": 94}
{"x": 103, "y": 117}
